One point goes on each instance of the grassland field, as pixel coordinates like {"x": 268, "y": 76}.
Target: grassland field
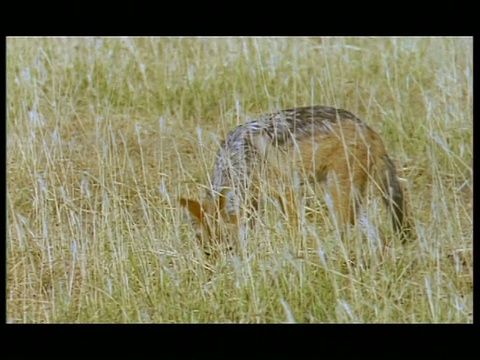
{"x": 104, "y": 135}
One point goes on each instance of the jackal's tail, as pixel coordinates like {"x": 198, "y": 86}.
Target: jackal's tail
{"x": 395, "y": 199}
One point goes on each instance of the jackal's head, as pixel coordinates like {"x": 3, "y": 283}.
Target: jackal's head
{"x": 212, "y": 219}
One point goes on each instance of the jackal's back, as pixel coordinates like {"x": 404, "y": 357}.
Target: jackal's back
{"x": 241, "y": 152}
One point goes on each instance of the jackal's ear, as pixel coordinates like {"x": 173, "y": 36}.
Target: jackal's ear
{"x": 194, "y": 207}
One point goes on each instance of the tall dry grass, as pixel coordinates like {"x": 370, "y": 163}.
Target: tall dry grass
{"x": 105, "y": 134}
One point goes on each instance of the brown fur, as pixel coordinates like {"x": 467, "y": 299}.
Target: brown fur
{"x": 315, "y": 144}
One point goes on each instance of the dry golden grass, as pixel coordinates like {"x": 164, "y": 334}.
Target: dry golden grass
{"x": 105, "y": 134}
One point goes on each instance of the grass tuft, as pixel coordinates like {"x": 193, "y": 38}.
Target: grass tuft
{"x": 104, "y": 135}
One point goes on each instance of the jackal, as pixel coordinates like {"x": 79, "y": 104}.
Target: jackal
{"x": 284, "y": 149}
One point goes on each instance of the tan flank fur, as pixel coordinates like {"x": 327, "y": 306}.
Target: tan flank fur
{"x": 291, "y": 147}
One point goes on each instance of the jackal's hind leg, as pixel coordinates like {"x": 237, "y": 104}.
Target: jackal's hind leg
{"x": 346, "y": 189}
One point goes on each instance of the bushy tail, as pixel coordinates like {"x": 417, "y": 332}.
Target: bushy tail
{"x": 395, "y": 200}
